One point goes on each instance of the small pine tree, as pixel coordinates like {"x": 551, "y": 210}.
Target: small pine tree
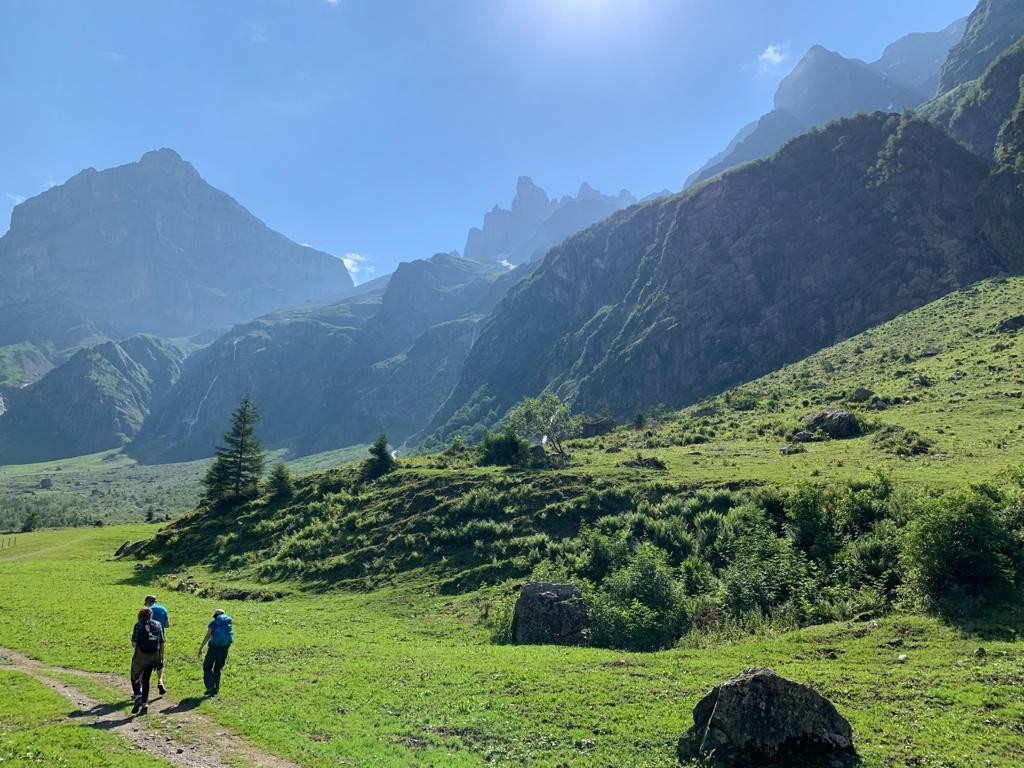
{"x": 280, "y": 482}
{"x": 380, "y": 462}
{"x": 31, "y": 522}
{"x": 239, "y": 460}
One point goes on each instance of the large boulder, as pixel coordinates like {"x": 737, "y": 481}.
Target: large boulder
{"x": 837, "y": 424}
{"x": 758, "y": 719}
{"x": 552, "y": 614}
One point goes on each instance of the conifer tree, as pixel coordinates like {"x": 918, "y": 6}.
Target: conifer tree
{"x": 240, "y": 457}
{"x": 380, "y": 462}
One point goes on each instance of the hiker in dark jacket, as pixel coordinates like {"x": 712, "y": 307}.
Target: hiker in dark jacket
{"x": 219, "y": 635}
{"x": 148, "y": 641}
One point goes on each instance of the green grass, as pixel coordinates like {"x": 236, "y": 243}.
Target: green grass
{"x": 405, "y": 677}
{"x": 113, "y": 488}
{"x": 35, "y": 730}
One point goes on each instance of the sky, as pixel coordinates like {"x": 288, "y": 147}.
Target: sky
{"x": 381, "y": 130}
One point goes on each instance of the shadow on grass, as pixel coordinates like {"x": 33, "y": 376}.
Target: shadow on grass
{"x": 1004, "y": 623}
{"x": 102, "y": 710}
{"x": 185, "y": 705}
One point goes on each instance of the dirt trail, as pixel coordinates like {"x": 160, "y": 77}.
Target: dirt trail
{"x": 172, "y": 729}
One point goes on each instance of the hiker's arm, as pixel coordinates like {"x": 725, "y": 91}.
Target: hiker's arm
{"x": 135, "y": 636}
{"x": 206, "y": 639}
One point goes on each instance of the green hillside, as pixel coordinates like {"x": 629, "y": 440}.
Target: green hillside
{"x": 743, "y": 524}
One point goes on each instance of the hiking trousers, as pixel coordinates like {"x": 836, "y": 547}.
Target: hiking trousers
{"x": 143, "y": 665}
{"x": 216, "y": 658}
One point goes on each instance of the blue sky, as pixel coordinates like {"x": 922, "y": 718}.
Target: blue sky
{"x": 386, "y": 128}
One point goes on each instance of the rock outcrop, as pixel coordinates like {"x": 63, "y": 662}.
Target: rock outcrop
{"x": 760, "y": 719}
{"x": 991, "y": 29}
{"x": 551, "y": 614}
{"x": 535, "y": 222}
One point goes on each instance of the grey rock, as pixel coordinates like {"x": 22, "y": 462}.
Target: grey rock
{"x": 759, "y": 718}
{"x": 861, "y": 395}
{"x": 554, "y": 614}
{"x": 838, "y": 424}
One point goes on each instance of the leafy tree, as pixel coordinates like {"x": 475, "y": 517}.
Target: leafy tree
{"x": 280, "y": 482}
{"x": 546, "y": 417}
{"x": 32, "y": 521}
{"x": 380, "y": 461}
{"x": 240, "y": 457}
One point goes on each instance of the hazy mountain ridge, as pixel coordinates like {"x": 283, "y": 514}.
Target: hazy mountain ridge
{"x": 338, "y": 374}
{"x": 95, "y": 401}
{"x": 825, "y": 86}
{"x": 146, "y": 247}
{"x": 678, "y": 299}
{"x": 534, "y": 222}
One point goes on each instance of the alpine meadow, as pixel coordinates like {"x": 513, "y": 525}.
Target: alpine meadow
{"x": 713, "y": 457}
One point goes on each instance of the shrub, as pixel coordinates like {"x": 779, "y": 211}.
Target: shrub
{"x": 640, "y": 606}
{"x": 506, "y": 449}
{"x": 959, "y": 546}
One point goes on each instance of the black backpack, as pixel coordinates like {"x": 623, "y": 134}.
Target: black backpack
{"x": 149, "y": 637}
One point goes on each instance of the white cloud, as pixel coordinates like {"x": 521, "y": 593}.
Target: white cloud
{"x": 332, "y": 2}
{"x": 773, "y": 57}
{"x": 507, "y": 264}
{"x": 258, "y": 34}
{"x": 356, "y": 263}
{"x": 15, "y": 198}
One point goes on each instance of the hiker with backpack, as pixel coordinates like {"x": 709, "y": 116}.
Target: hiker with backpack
{"x": 219, "y": 635}
{"x": 161, "y": 617}
{"x": 148, "y": 641}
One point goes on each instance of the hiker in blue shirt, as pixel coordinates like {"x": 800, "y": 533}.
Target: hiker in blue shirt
{"x": 161, "y": 617}
{"x": 219, "y": 635}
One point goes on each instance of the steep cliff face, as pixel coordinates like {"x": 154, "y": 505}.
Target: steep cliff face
{"x": 976, "y": 111}
{"x": 150, "y": 247}
{"x": 680, "y": 298}
{"x": 96, "y": 400}
{"x": 339, "y": 374}
{"x": 535, "y": 223}
{"x": 992, "y": 28}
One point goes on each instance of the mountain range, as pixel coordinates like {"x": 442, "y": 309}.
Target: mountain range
{"x": 608, "y": 301}
{"x": 147, "y": 247}
{"x": 534, "y": 222}
{"x": 825, "y": 86}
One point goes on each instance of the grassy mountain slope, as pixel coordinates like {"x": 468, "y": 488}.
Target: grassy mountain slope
{"x": 946, "y": 409}
{"x": 678, "y": 299}
{"x": 95, "y": 401}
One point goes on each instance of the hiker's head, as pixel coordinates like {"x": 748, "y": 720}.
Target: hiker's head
{"x": 145, "y": 614}
{"x": 150, "y": 600}
{"x": 218, "y": 612}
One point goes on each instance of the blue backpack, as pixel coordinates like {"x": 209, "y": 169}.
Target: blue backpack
{"x": 222, "y": 635}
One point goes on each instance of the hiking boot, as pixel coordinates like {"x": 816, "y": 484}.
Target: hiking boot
{"x": 144, "y": 709}
{"x": 136, "y": 706}
{"x": 161, "y": 688}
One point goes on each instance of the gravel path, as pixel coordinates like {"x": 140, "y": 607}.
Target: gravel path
{"x": 172, "y": 729}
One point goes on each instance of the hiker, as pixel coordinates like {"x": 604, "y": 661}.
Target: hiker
{"x": 219, "y": 635}
{"x": 161, "y": 617}
{"x": 148, "y": 641}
